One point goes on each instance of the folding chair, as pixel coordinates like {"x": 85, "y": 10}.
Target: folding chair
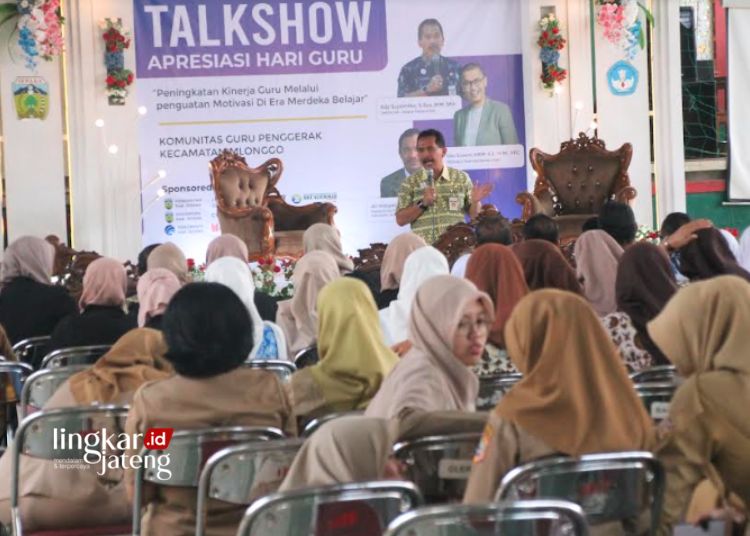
{"x": 314, "y": 424}
{"x": 534, "y": 518}
{"x": 240, "y": 474}
{"x": 283, "y": 369}
{"x": 13, "y": 376}
{"x": 662, "y": 373}
{"x": 76, "y": 355}
{"x": 31, "y": 350}
{"x": 306, "y": 357}
{"x": 36, "y": 436}
{"x": 492, "y": 388}
{"x": 361, "y": 509}
{"x": 188, "y": 452}
{"x": 656, "y": 396}
{"x": 617, "y": 487}
{"x": 40, "y": 386}
{"x": 439, "y": 465}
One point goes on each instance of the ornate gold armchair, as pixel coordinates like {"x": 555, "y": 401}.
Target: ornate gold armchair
{"x": 250, "y": 206}
{"x": 572, "y": 185}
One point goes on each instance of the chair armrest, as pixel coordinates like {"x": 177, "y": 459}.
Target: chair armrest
{"x": 531, "y": 205}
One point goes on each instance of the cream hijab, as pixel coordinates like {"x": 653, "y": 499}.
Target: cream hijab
{"x": 28, "y": 256}
{"x": 226, "y": 245}
{"x": 420, "y": 265}
{"x": 597, "y": 256}
{"x": 430, "y": 377}
{"x": 392, "y": 267}
{"x": 324, "y": 237}
{"x": 344, "y": 450}
{"x": 297, "y": 316}
{"x": 104, "y": 283}
{"x": 155, "y": 289}
{"x": 172, "y": 258}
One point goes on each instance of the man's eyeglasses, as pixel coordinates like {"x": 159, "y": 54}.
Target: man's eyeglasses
{"x": 472, "y": 83}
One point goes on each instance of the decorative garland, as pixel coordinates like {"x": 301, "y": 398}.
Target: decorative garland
{"x": 39, "y": 28}
{"x": 551, "y": 42}
{"x": 116, "y": 40}
{"x": 621, "y": 24}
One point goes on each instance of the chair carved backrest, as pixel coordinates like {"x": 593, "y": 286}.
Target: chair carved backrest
{"x": 455, "y": 241}
{"x": 240, "y": 188}
{"x": 370, "y": 258}
{"x": 581, "y": 177}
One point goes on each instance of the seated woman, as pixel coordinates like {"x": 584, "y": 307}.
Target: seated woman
{"x": 575, "y": 397}
{"x": 544, "y": 266}
{"x": 449, "y": 324}
{"x": 353, "y": 358}
{"x": 169, "y": 256}
{"x": 103, "y": 319}
{"x": 209, "y": 336}
{"x": 707, "y": 435}
{"x": 324, "y": 237}
{"x": 51, "y": 498}
{"x": 494, "y": 269}
{"x": 155, "y": 288}
{"x": 297, "y": 317}
{"x": 268, "y": 339}
{"x": 645, "y": 283}
{"x": 708, "y": 256}
{"x": 392, "y": 266}
{"x": 420, "y": 265}
{"x": 597, "y": 255}
{"x": 30, "y": 306}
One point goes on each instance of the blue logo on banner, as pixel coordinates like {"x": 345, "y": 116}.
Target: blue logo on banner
{"x": 622, "y": 78}
{"x": 296, "y": 199}
{"x": 169, "y": 230}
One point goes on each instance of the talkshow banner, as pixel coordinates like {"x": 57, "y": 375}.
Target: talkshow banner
{"x": 316, "y": 84}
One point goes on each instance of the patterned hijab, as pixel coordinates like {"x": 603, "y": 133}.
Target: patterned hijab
{"x": 544, "y": 266}
{"x": 709, "y": 256}
{"x": 104, "y": 283}
{"x": 155, "y": 288}
{"x": 575, "y": 394}
{"x": 392, "y": 267}
{"x": 172, "y": 258}
{"x": 494, "y": 269}
{"x": 324, "y": 237}
{"x": 597, "y": 255}
{"x": 30, "y": 257}
{"x": 226, "y": 245}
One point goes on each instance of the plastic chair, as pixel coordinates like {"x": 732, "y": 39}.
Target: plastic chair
{"x": 31, "y": 350}
{"x": 613, "y": 487}
{"x": 40, "y": 386}
{"x": 240, "y": 474}
{"x": 537, "y": 518}
{"x": 364, "y": 509}
{"x": 314, "y": 424}
{"x": 656, "y": 396}
{"x": 439, "y": 465}
{"x": 188, "y": 452}
{"x": 492, "y": 388}
{"x": 13, "y": 376}
{"x": 306, "y": 357}
{"x": 662, "y": 373}
{"x": 36, "y": 438}
{"x": 283, "y": 369}
{"x": 76, "y": 355}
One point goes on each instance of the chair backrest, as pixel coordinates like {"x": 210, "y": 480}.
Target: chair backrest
{"x": 306, "y": 357}
{"x": 40, "y": 386}
{"x": 314, "y": 424}
{"x": 492, "y": 388}
{"x": 656, "y": 396}
{"x": 188, "y": 452}
{"x": 662, "y": 373}
{"x": 439, "y": 465}
{"x": 283, "y": 369}
{"x": 528, "y": 518}
{"x": 58, "y": 434}
{"x": 242, "y": 473}
{"x": 13, "y": 376}
{"x": 364, "y": 509}
{"x": 238, "y": 187}
{"x": 76, "y": 355}
{"x": 31, "y": 350}
{"x": 612, "y": 487}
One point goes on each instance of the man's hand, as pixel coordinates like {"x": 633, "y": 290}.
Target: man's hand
{"x": 686, "y": 234}
{"x": 480, "y": 191}
{"x": 436, "y": 84}
{"x": 428, "y": 198}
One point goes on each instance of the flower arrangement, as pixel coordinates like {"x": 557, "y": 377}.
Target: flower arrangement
{"x": 551, "y": 43}
{"x": 116, "y": 40}
{"x": 646, "y": 233}
{"x": 621, "y": 24}
{"x": 268, "y": 270}
{"x": 39, "y": 28}
{"x": 197, "y": 272}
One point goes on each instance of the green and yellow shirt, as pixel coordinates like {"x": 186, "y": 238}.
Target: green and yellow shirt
{"x": 453, "y": 199}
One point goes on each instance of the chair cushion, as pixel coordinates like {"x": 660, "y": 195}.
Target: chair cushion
{"x": 241, "y": 189}
{"x": 582, "y": 181}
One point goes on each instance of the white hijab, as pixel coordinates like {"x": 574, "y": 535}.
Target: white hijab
{"x": 731, "y": 241}
{"x": 744, "y": 258}
{"x": 459, "y": 267}
{"x": 420, "y": 265}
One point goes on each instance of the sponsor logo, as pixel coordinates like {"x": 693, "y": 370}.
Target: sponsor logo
{"x": 168, "y": 203}
{"x": 31, "y": 97}
{"x": 168, "y": 217}
{"x": 169, "y": 230}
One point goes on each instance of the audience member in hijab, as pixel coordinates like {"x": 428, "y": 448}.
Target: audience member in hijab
{"x": 268, "y": 339}
{"x": 590, "y": 224}
{"x": 29, "y": 305}
{"x": 55, "y": 499}
{"x": 392, "y": 266}
{"x": 208, "y": 331}
{"x": 618, "y": 221}
{"x": 708, "y": 256}
{"x": 448, "y": 328}
{"x": 143, "y": 258}
{"x": 734, "y": 245}
{"x": 544, "y": 266}
{"x": 324, "y": 237}
{"x": 155, "y": 288}
{"x": 744, "y": 258}
{"x": 102, "y": 319}
{"x": 541, "y": 227}
{"x": 172, "y": 258}
{"x": 644, "y": 284}
{"x": 420, "y": 265}
{"x": 494, "y": 269}
{"x": 597, "y": 255}
{"x": 493, "y": 229}
{"x": 596, "y": 411}
{"x": 354, "y": 360}
{"x": 707, "y": 434}
{"x": 297, "y": 316}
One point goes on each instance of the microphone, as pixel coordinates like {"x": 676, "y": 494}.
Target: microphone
{"x": 430, "y": 177}
{"x": 431, "y": 184}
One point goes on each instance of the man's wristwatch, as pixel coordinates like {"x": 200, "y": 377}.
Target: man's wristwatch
{"x": 421, "y": 204}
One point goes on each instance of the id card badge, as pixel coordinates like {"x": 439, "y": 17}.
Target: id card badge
{"x": 453, "y": 203}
